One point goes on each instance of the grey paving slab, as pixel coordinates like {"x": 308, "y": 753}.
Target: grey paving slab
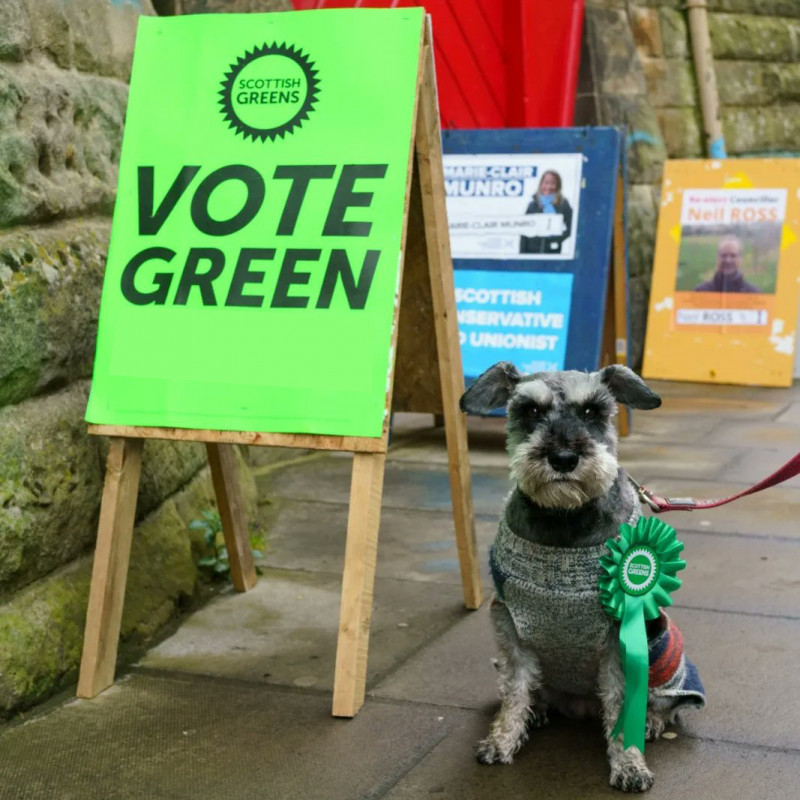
{"x": 411, "y": 485}
{"x": 712, "y": 423}
{"x": 284, "y": 630}
{"x": 791, "y": 415}
{"x": 405, "y": 423}
{"x": 748, "y": 666}
{"x": 731, "y": 573}
{"x": 746, "y": 662}
{"x": 486, "y": 445}
{"x": 663, "y": 429}
{"x": 754, "y": 435}
{"x": 779, "y": 395}
{"x": 775, "y": 512}
{"x": 725, "y": 403}
{"x": 566, "y": 761}
{"x": 178, "y": 739}
{"x": 271, "y": 457}
{"x": 455, "y": 670}
{"x": 412, "y": 545}
{"x": 754, "y": 464}
{"x": 680, "y": 461}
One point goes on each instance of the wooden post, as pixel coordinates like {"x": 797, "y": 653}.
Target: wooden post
{"x": 225, "y": 476}
{"x": 706, "y": 77}
{"x": 619, "y": 296}
{"x": 358, "y": 582}
{"x": 451, "y": 374}
{"x": 110, "y": 570}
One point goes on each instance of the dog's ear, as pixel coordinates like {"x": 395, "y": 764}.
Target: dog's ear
{"x": 628, "y": 388}
{"x": 492, "y": 389}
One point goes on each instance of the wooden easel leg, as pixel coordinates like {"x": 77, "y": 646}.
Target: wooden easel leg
{"x": 358, "y": 581}
{"x": 431, "y": 178}
{"x": 463, "y": 515}
{"x": 225, "y": 476}
{"x": 110, "y": 570}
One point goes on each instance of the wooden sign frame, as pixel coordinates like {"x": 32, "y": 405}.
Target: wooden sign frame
{"x": 427, "y": 379}
{"x": 615, "y": 326}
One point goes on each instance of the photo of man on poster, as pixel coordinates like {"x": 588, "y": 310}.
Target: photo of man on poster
{"x": 729, "y": 258}
{"x": 729, "y": 277}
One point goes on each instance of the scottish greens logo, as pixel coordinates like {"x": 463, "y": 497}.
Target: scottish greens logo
{"x": 639, "y": 570}
{"x": 269, "y": 91}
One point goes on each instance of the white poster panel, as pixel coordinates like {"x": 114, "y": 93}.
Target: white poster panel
{"x": 513, "y": 206}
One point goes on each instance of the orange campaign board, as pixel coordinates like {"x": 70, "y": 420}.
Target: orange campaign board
{"x": 726, "y": 278}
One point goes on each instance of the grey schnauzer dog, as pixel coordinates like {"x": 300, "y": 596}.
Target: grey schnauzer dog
{"x": 558, "y": 648}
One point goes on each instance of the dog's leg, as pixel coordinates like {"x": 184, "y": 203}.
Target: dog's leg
{"x": 629, "y": 770}
{"x": 659, "y": 711}
{"x": 654, "y": 726}
{"x": 518, "y": 679}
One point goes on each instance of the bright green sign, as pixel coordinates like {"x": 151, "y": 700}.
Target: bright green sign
{"x": 253, "y": 267}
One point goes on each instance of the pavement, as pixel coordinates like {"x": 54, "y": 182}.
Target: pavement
{"x": 235, "y": 703}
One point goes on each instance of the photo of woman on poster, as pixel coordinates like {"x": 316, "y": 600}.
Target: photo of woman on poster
{"x": 513, "y": 206}
{"x": 548, "y": 200}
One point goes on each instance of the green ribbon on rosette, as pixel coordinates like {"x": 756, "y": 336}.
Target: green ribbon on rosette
{"x": 638, "y": 578}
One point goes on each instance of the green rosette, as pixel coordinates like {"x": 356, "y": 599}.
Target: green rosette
{"x": 638, "y": 578}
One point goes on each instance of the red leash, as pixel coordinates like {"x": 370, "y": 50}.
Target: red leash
{"x": 659, "y": 504}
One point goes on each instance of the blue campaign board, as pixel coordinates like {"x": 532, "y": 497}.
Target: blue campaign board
{"x": 531, "y": 216}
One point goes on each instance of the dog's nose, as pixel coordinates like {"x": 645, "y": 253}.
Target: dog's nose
{"x": 563, "y": 460}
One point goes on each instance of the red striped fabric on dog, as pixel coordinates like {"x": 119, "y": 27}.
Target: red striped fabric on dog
{"x": 671, "y": 673}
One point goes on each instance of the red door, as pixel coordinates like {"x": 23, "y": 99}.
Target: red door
{"x": 499, "y": 63}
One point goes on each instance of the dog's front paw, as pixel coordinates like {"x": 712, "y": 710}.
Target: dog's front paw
{"x": 629, "y": 772}
{"x": 490, "y": 751}
{"x": 632, "y": 780}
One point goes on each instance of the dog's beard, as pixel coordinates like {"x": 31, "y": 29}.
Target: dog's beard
{"x": 593, "y": 476}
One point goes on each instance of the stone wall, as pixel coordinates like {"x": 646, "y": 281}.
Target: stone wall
{"x": 64, "y": 67}
{"x": 637, "y": 71}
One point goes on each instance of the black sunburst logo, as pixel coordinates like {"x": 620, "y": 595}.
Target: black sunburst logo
{"x": 249, "y": 129}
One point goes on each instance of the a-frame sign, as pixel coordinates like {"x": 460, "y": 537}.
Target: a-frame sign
{"x": 279, "y": 273}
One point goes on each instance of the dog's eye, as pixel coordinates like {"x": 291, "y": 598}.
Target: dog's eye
{"x": 591, "y": 412}
{"x": 531, "y": 415}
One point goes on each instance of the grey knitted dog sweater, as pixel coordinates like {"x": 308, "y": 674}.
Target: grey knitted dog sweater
{"x": 554, "y": 600}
